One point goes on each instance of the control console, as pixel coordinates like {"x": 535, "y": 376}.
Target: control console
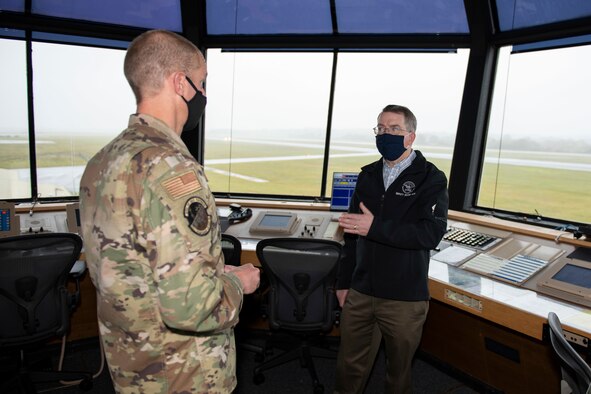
{"x": 284, "y": 223}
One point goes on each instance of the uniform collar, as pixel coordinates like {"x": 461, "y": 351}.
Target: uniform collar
{"x": 154, "y": 123}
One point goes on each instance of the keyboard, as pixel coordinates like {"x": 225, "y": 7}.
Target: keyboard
{"x": 517, "y": 269}
{"x": 470, "y": 238}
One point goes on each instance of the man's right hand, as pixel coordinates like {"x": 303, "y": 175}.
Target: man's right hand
{"x": 249, "y": 276}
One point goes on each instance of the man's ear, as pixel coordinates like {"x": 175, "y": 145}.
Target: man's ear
{"x": 178, "y": 82}
{"x": 411, "y": 138}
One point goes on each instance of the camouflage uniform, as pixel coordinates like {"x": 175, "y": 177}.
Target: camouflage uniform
{"x": 152, "y": 240}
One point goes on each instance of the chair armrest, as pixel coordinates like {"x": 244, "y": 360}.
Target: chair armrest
{"x": 78, "y": 269}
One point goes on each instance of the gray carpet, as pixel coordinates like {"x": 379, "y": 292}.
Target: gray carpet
{"x": 293, "y": 378}
{"x": 287, "y": 378}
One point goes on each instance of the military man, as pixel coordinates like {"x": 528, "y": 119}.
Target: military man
{"x": 166, "y": 302}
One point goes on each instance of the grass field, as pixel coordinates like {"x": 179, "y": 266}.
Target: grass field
{"x": 552, "y": 193}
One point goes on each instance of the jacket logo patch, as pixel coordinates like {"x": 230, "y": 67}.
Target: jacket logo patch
{"x": 182, "y": 185}
{"x": 408, "y": 189}
{"x": 195, "y": 212}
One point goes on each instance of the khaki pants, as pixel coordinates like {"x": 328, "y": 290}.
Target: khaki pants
{"x": 364, "y": 322}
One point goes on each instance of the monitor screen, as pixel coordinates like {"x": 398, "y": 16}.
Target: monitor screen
{"x": 5, "y": 220}
{"x": 574, "y": 275}
{"x": 343, "y": 187}
{"x": 275, "y": 221}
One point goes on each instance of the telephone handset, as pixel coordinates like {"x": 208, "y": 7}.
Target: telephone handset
{"x": 238, "y": 214}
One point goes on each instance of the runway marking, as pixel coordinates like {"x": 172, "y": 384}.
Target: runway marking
{"x": 235, "y": 175}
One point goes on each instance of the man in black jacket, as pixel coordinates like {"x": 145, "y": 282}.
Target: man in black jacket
{"x": 397, "y": 215}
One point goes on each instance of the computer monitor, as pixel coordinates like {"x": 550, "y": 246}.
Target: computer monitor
{"x": 571, "y": 278}
{"x": 9, "y": 223}
{"x": 343, "y": 187}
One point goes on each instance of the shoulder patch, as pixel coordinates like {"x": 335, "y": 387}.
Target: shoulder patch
{"x": 182, "y": 185}
{"x": 195, "y": 212}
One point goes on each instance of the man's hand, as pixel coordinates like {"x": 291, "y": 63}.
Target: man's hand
{"x": 357, "y": 223}
{"x": 342, "y": 296}
{"x": 249, "y": 276}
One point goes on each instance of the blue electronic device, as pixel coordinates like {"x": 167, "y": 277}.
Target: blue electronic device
{"x": 9, "y": 222}
{"x": 343, "y": 187}
{"x": 5, "y": 220}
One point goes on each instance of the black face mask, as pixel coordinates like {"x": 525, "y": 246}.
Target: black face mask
{"x": 196, "y": 106}
{"x": 391, "y": 147}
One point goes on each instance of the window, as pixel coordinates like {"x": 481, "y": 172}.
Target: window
{"x": 15, "y": 174}
{"x": 267, "y": 114}
{"x": 81, "y": 101}
{"x": 352, "y": 16}
{"x": 266, "y": 122}
{"x": 538, "y": 153}
{"x": 259, "y": 17}
{"x": 517, "y": 14}
{"x": 401, "y": 17}
{"x": 13, "y": 5}
{"x": 155, "y": 14}
{"x": 429, "y": 84}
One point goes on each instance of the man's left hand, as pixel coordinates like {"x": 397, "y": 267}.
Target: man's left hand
{"x": 357, "y": 223}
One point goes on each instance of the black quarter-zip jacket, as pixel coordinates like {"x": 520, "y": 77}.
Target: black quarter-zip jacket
{"x": 410, "y": 219}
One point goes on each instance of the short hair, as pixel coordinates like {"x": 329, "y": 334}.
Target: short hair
{"x": 410, "y": 121}
{"x": 153, "y": 56}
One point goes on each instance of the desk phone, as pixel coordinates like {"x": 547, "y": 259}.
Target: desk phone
{"x": 40, "y": 222}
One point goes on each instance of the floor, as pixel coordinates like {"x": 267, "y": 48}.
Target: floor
{"x": 428, "y": 376}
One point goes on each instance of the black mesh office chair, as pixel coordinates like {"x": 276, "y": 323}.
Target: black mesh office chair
{"x": 232, "y": 249}
{"x": 35, "y": 304}
{"x": 575, "y": 371}
{"x": 301, "y": 300}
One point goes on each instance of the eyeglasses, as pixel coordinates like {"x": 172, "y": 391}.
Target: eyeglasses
{"x": 379, "y": 130}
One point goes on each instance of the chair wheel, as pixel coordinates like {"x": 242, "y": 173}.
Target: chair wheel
{"x": 319, "y": 389}
{"x": 258, "y": 378}
{"x": 85, "y": 384}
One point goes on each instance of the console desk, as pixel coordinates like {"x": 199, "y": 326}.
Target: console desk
{"x": 488, "y": 328}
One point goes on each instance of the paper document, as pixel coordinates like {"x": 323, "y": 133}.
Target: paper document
{"x": 454, "y": 255}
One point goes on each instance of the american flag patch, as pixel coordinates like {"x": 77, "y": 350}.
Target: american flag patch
{"x": 182, "y": 185}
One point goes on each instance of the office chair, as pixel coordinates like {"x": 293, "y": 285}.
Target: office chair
{"x": 35, "y": 304}
{"x": 232, "y": 249}
{"x": 575, "y": 371}
{"x": 301, "y": 300}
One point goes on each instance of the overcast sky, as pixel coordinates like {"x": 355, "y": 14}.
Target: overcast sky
{"x": 77, "y": 88}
